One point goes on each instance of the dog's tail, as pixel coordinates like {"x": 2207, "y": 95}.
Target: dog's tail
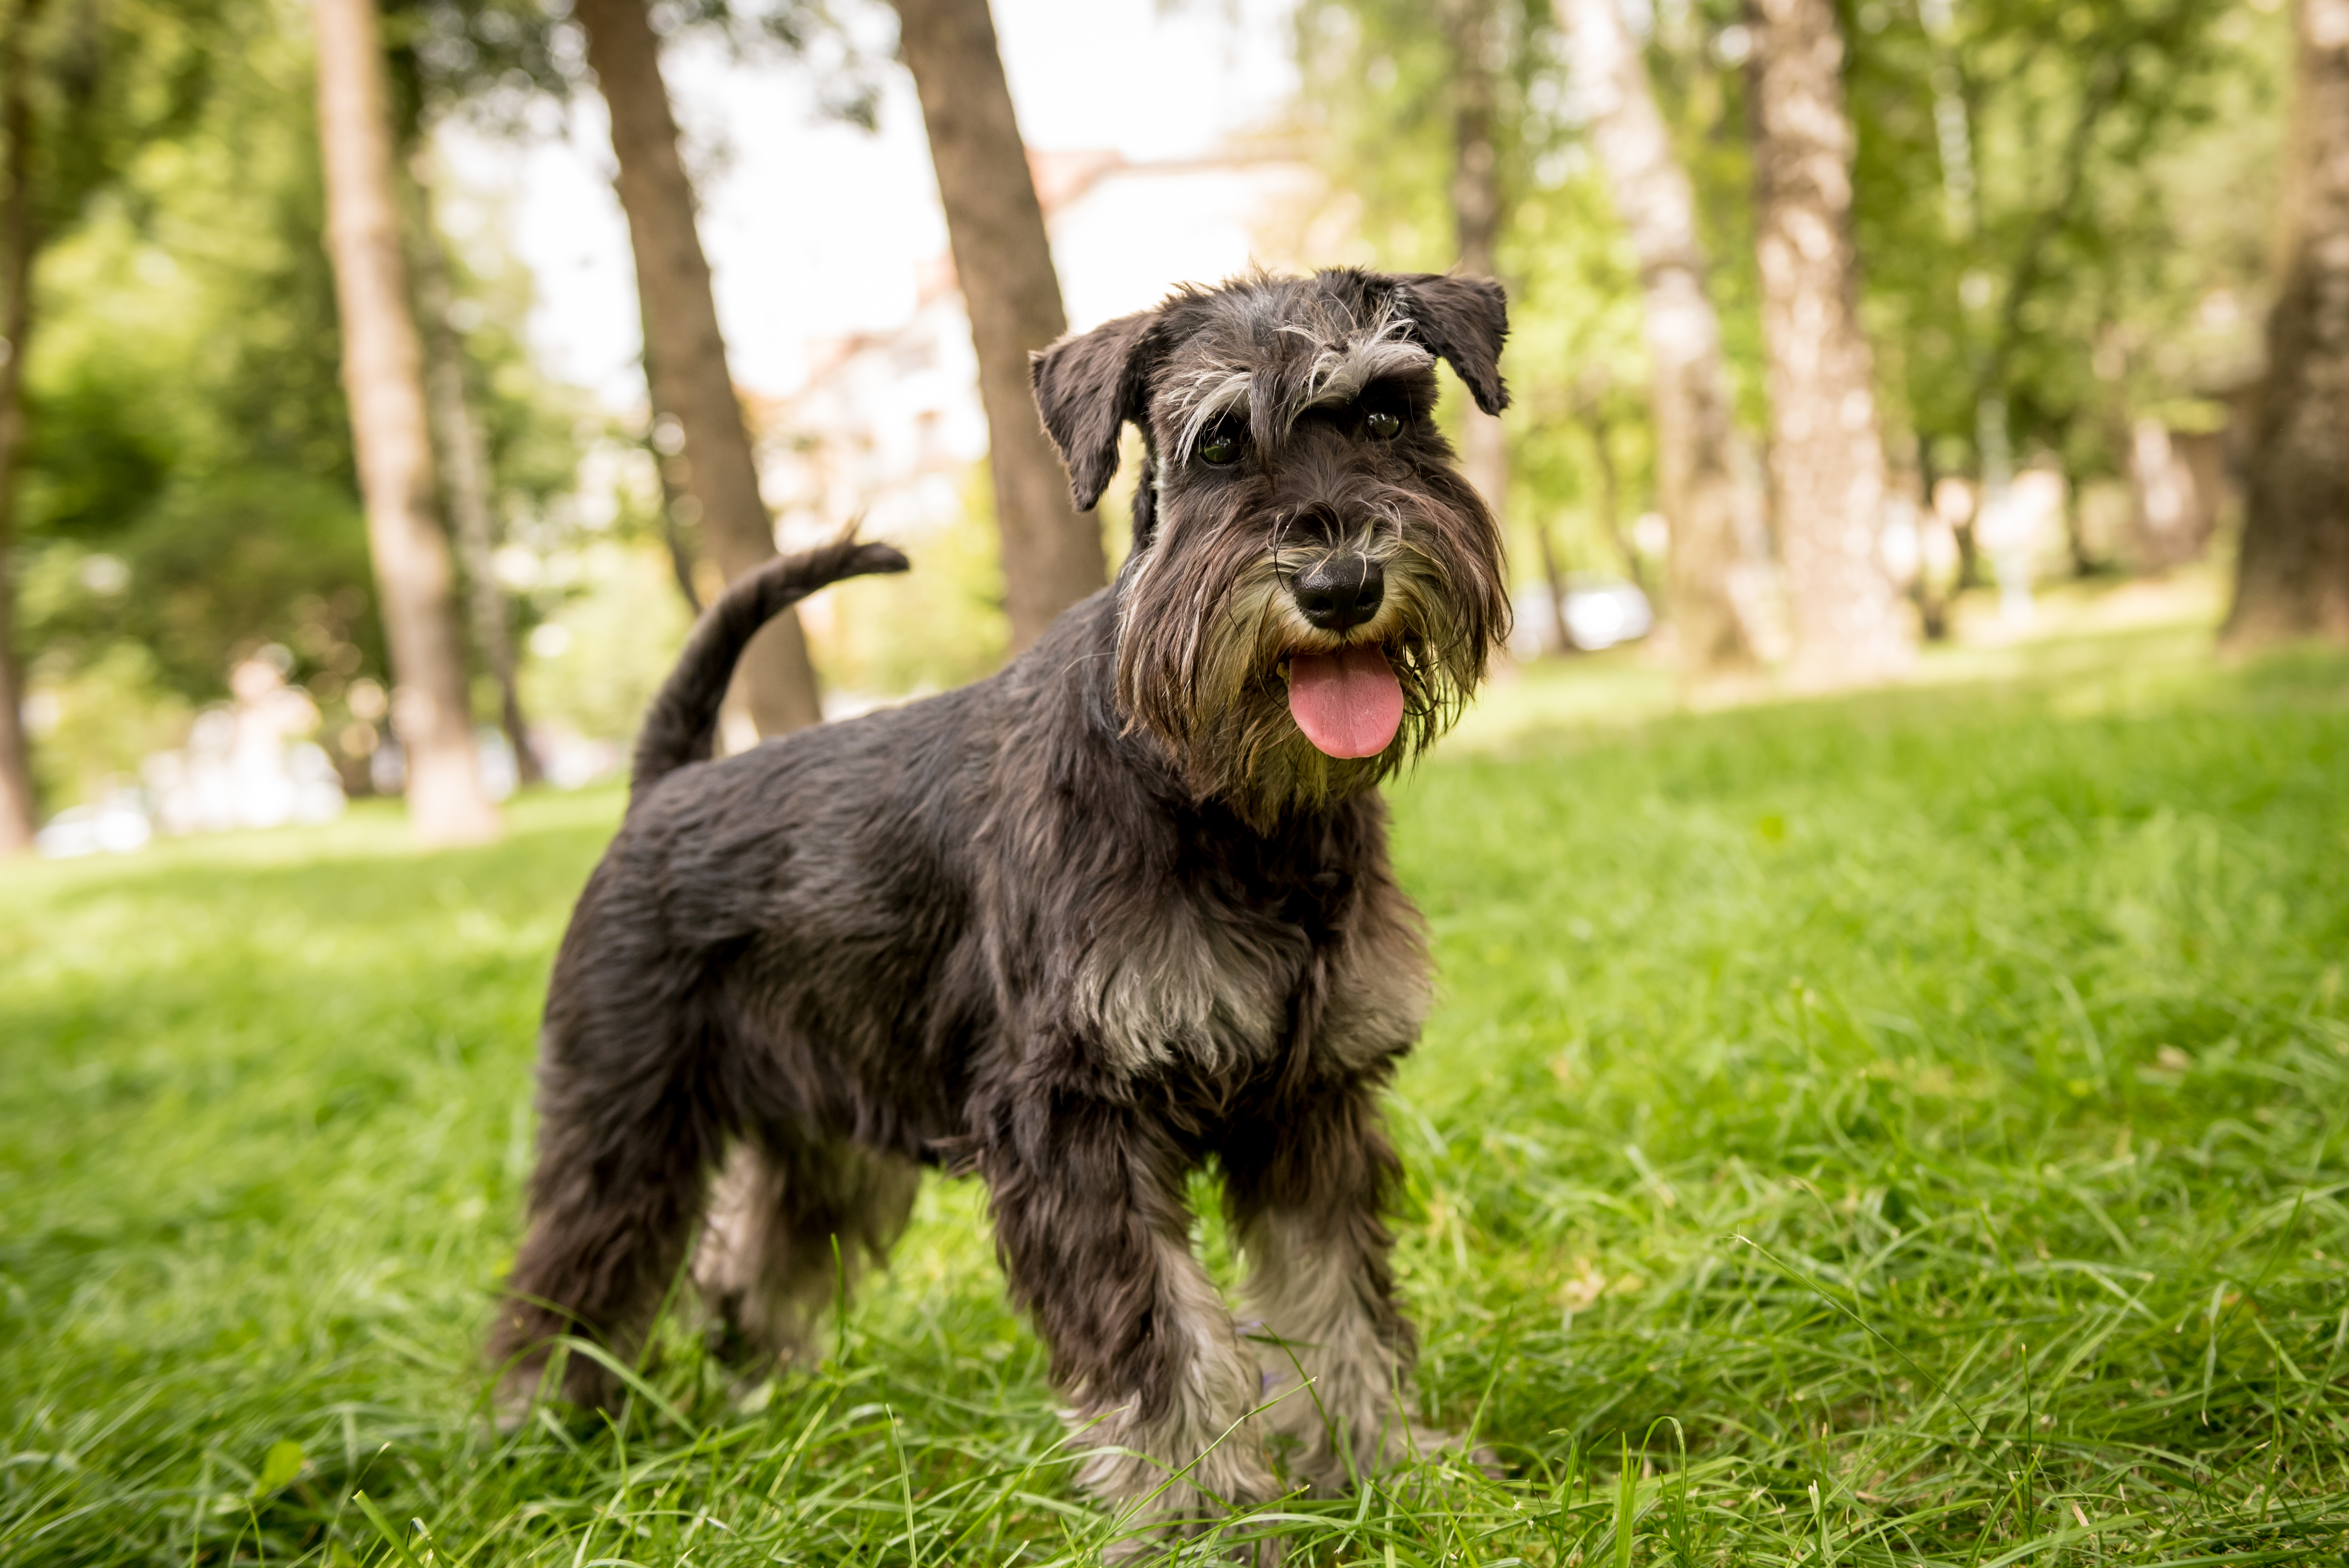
{"x": 681, "y": 725}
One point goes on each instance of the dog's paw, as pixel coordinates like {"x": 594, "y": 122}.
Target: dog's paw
{"x": 518, "y": 1392}
{"x": 1324, "y": 1469}
{"x": 1434, "y": 1443}
{"x": 1198, "y": 1519}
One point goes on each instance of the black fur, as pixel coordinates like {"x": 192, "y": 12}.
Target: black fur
{"x": 682, "y": 722}
{"x": 1070, "y": 928}
{"x": 1087, "y": 389}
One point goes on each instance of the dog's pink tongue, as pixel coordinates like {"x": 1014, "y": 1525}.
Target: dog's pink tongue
{"x": 1348, "y": 703}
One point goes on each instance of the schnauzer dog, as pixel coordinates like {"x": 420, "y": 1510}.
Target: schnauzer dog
{"x": 1118, "y": 910}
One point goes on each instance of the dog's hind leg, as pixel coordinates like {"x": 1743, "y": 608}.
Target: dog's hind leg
{"x": 792, "y": 1222}
{"x": 1305, "y": 1194}
{"x": 624, "y": 1157}
{"x": 1094, "y": 1235}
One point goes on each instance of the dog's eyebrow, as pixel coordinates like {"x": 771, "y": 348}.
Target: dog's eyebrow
{"x": 1212, "y": 394}
{"x": 1347, "y": 360}
{"x": 1340, "y": 371}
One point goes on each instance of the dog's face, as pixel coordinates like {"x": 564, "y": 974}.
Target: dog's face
{"x": 1314, "y": 588}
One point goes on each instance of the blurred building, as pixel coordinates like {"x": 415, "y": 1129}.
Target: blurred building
{"x": 888, "y": 423}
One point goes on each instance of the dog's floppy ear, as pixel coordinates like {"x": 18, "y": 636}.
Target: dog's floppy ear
{"x": 1461, "y": 320}
{"x": 1088, "y": 385}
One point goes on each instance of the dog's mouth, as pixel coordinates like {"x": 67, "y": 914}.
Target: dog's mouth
{"x": 1347, "y": 701}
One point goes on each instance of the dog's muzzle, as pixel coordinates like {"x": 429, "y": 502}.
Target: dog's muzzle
{"x": 1339, "y": 592}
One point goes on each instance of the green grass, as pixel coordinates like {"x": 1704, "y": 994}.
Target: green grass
{"x": 1905, "y": 1127}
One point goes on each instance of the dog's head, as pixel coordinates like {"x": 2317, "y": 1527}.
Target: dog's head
{"x": 1314, "y": 588}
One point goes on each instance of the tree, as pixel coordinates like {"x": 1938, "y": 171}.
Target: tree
{"x": 17, "y": 246}
{"x": 1695, "y": 463}
{"x": 685, "y": 352}
{"x": 1452, "y": 137}
{"x": 1826, "y": 456}
{"x": 82, "y": 90}
{"x": 383, "y": 378}
{"x": 465, "y": 465}
{"x": 2041, "y": 232}
{"x": 1477, "y": 204}
{"x": 2293, "y": 575}
{"x": 1052, "y": 555}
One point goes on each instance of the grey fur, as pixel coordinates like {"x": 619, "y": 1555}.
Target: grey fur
{"x": 1079, "y": 929}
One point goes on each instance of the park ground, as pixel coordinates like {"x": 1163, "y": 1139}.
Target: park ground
{"x": 1903, "y": 1127}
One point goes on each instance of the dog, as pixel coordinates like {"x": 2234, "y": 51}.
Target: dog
{"x": 1115, "y": 913}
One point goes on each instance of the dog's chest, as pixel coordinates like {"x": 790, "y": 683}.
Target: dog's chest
{"x": 1212, "y": 988}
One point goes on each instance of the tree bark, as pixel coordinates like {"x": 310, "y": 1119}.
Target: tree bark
{"x": 1826, "y": 455}
{"x": 1052, "y": 555}
{"x": 383, "y": 376}
{"x": 1476, "y": 207}
{"x": 1695, "y": 465}
{"x": 2293, "y": 578}
{"x": 674, "y": 543}
{"x": 19, "y": 242}
{"x": 465, "y": 466}
{"x": 1559, "y": 636}
{"x": 1591, "y": 413}
{"x": 685, "y": 353}
{"x": 683, "y": 558}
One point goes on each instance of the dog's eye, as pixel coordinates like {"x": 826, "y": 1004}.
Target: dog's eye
{"x": 1220, "y": 447}
{"x": 1382, "y": 424}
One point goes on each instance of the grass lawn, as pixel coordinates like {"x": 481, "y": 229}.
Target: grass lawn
{"x": 1907, "y": 1127}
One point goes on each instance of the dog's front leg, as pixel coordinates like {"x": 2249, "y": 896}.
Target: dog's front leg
{"x": 1305, "y": 1189}
{"x": 1095, "y": 1235}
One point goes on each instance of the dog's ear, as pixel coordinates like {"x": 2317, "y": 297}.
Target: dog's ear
{"x": 1461, "y": 320}
{"x": 1088, "y": 385}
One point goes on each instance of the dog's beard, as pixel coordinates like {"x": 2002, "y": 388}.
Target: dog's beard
{"x": 1206, "y": 634}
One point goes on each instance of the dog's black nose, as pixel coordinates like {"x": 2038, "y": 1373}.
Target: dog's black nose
{"x": 1340, "y": 592}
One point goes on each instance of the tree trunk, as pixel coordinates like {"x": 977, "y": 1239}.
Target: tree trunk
{"x": 1477, "y": 204}
{"x": 1051, "y": 555}
{"x": 685, "y": 353}
{"x": 684, "y": 560}
{"x": 383, "y": 377}
{"x": 1610, "y": 500}
{"x": 19, "y": 242}
{"x": 1826, "y": 456}
{"x": 2292, "y": 579}
{"x": 465, "y": 465}
{"x": 674, "y": 543}
{"x": 1695, "y": 465}
{"x": 1560, "y": 635}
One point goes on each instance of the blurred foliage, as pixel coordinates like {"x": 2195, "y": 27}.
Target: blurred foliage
{"x": 116, "y": 710}
{"x": 493, "y": 61}
{"x": 2060, "y": 202}
{"x": 189, "y": 491}
{"x": 2065, "y": 205}
{"x": 108, "y": 78}
{"x": 605, "y": 647}
{"x": 1378, "y": 78}
{"x": 940, "y": 625}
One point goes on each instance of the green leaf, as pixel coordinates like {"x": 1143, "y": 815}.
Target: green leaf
{"x": 1626, "y": 1495}
{"x": 278, "y": 1467}
{"x": 383, "y": 1528}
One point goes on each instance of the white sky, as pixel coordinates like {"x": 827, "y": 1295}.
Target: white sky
{"x": 815, "y": 229}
